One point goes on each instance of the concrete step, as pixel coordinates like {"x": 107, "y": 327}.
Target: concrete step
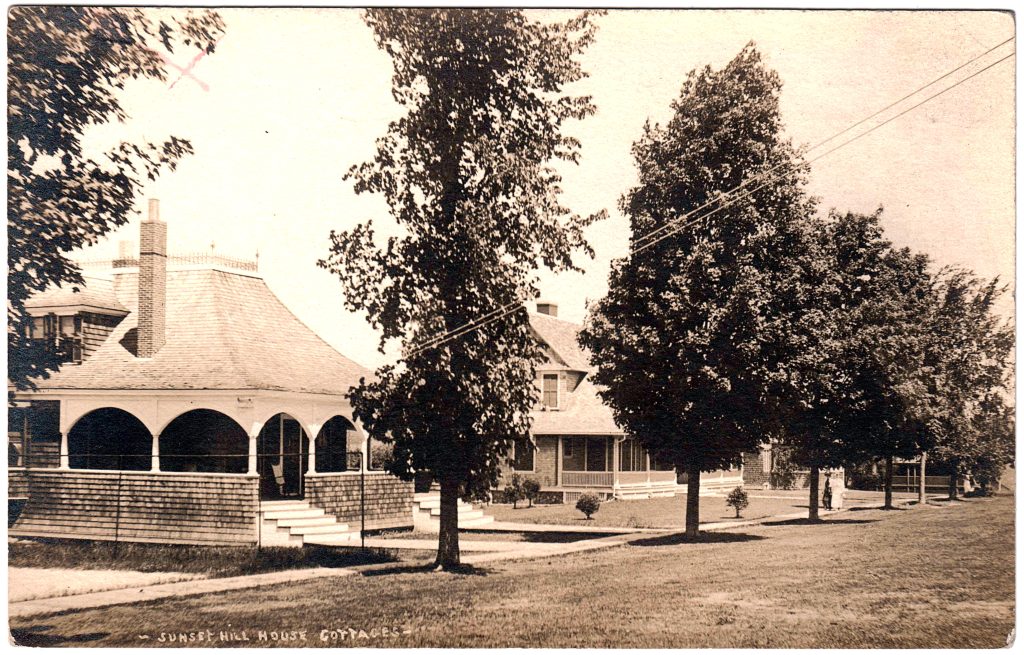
{"x": 309, "y": 513}
{"x": 346, "y": 539}
{"x": 307, "y": 522}
{"x": 271, "y": 505}
{"x": 332, "y": 528}
{"x": 464, "y": 511}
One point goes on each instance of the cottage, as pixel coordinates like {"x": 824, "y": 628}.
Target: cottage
{"x": 576, "y": 445}
{"x": 192, "y": 407}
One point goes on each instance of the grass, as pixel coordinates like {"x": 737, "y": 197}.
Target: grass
{"x": 667, "y": 512}
{"x": 924, "y": 577}
{"x": 210, "y": 561}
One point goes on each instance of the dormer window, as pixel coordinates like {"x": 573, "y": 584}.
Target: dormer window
{"x": 549, "y": 390}
{"x": 62, "y": 335}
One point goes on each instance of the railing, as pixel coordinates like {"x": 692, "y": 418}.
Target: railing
{"x": 187, "y": 258}
{"x": 645, "y": 477}
{"x": 588, "y": 478}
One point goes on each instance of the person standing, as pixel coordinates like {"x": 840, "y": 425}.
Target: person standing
{"x": 826, "y": 495}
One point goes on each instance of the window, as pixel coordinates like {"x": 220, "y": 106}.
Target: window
{"x": 550, "y": 391}
{"x": 632, "y": 456}
{"x": 62, "y": 334}
{"x": 522, "y": 454}
{"x": 567, "y": 447}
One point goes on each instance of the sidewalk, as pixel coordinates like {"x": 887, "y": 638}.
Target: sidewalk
{"x": 483, "y": 552}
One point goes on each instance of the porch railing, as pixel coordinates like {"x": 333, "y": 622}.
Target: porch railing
{"x": 588, "y": 478}
{"x": 643, "y": 477}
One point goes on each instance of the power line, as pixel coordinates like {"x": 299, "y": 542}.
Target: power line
{"x": 824, "y": 154}
{"x": 817, "y": 145}
{"x": 672, "y": 226}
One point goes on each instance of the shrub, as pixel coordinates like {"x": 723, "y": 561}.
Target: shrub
{"x": 514, "y": 491}
{"x": 737, "y": 500}
{"x": 531, "y": 489}
{"x": 588, "y": 504}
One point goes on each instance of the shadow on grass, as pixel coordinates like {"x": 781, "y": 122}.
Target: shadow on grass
{"x": 464, "y": 569}
{"x": 806, "y": 521}
{"x": 36, "y": 636}
{"x": 702, "y": 538}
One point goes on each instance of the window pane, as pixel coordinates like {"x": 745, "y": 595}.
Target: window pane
{"x": 522, "y": 455}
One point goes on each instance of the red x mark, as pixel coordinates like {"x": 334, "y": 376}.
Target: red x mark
{"x": 188, "y": 69}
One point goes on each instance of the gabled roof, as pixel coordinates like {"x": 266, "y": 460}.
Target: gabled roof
{"x": 96, "y": 294}
{"x": 560, "y": 336}
{"x": 582, "y": 412}
{"x": 224, "y": 330}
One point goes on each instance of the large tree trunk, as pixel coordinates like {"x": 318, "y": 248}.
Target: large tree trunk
{"x": 812, "y": 498}
{"x": 921, "y": 491}
{"x": 888, "y": 482}
{"x": 693, "y": 500}
{"x": 448, "y": 536}
{"x": 954, "y": 477}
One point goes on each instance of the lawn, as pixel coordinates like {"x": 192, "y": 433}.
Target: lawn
{"x": 209, "y": 561}
{"x": 667, "y": 512}
{"x": 924, "y": 577}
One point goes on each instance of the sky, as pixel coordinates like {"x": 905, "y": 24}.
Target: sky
{"x": 294, "y": 97}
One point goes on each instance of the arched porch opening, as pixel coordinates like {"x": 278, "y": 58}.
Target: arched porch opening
{"x": 110, "y": 439}
{"x": 204, "y": 441}
{"x": 336, "y": 446}
{"x": 282, "y": 458}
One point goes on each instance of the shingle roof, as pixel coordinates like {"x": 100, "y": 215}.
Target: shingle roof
{"x": 561, "y": 337}
{"x": 224, "y": 330}
{"x": 96, "y": 293}
{"x": 582, "y": 412}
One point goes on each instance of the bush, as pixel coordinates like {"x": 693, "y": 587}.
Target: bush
{"x": 737, "y": 500}
{"x": 588, "y": 504}
{"x": 514, "y": 491}
{"x": 531, "y": 489}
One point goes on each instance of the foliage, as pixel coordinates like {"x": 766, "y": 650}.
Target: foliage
{"x": 588, "y": 503}
{"x": 66, "y": 66}
{"x": 531, "y": 489}
{"x": 783, "y": 473}
{"x": 680, "y": 341}
{"x": 515, "y": 491}
{"x": 468, "y": 176}
{"x": 738, "y": 500}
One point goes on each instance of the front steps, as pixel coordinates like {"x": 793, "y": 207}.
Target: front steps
{"x": 426, "y": 513}
{"x": 296, "y": 523}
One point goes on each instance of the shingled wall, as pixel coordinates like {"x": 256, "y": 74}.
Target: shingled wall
{"x": 388, "y": 499}
{"x": 138, "y": 506}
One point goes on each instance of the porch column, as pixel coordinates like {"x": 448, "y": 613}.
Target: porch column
{"x": 558, "y": 462}
{"x": 65, "y": 463}
{"x": 311, "y": 455}
{"x": 647, "y": 455}
{"x": 252, "y": 454}
{"x": 154, "y": 462}
{"x": 364, "y": 448}
{"x": 615, "y": 462}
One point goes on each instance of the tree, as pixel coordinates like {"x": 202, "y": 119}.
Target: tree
{"x": 65, "y": 68}
{"x": 531, "y": 489}
{"x": 677, "y": 340}
{"x": 969, "y": 350}
{"x": 738, "y": 500}
{"x": 468, "y": 175}
{"x": 514, "y": 490}
{"x": 588, "y": 503}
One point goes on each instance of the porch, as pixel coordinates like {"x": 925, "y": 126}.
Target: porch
{"x": 612, "y": 467}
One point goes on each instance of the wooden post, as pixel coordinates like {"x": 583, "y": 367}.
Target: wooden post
{"x": 65, "y": 463}
{"x": 252, "y": 453}
{"x": 615, "y": 464}
{"x": 154, "y": 463}
{"x": 921, "y": 491}
{"x": 311, "y": 455}
{"x": 559, "y": 461}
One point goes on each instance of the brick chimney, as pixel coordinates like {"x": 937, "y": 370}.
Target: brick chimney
{"x": 549, "y": 308}
{"x": 152, "y": 282}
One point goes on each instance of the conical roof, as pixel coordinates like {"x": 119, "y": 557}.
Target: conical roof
{"x": 224, "y": 330}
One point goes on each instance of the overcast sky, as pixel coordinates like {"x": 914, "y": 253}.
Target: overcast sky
{"x": 296, "y": 96}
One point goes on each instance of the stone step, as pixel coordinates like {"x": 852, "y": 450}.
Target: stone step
{"x": 309, "y": 513}
{"x": 325, "y": 529}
